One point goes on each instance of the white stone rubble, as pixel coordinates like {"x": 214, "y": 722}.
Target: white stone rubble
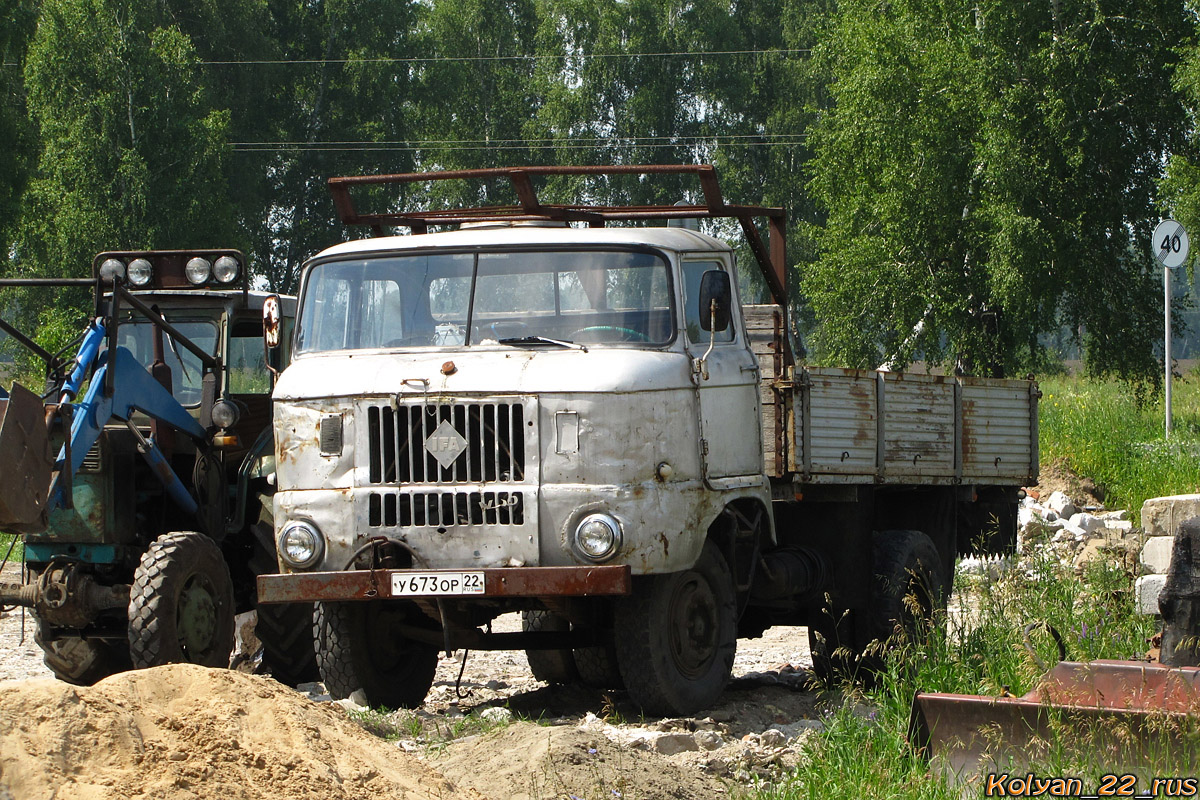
{"x": 1073, "y": 536}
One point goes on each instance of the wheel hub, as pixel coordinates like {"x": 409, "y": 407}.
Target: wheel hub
{"x": 693, "y": 626}
{"x": 197, "y": 617}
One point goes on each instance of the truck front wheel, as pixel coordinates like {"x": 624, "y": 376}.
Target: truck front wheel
{"x": 360, "y": 649}
{"x": 677, "y": 636}
{"x": 181, "y": 603}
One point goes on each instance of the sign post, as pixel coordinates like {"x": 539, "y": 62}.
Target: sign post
{"x": 1169, "y": 244}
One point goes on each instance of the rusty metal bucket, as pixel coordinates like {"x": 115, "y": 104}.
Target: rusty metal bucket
{"x": 1118, "y": 709}
{"x": 26, "y": 462}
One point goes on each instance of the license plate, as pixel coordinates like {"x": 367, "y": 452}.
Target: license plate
{"x": 416, "y": 584}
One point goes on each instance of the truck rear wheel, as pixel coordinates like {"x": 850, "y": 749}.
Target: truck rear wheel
{"x": 181, "y": 605}
{"x": 549, "y": 666}
{"x": 907, "y": 586}
{"x": 359, "y": 649}
{"x": 678, "y": 635}
{"x": 80, "y": 661}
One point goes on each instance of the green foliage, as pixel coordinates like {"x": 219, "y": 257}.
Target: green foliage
{"x": 133, "y": 155}
{"x": 58, "y": 330}
{"x": 974, "y": 175}
{"x": 989, "y": 171}
{"x": 1101, "y": 430}
{"x": 17, "y": 18}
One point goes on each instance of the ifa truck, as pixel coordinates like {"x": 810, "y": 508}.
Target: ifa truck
{"x": 139, "y": 475}
{"x": 564, "y": 410}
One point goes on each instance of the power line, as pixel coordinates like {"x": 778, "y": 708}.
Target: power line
{"x": 470, "y": 59}
{"x": 391, "y": 149}
{"x": 721, "y": 137}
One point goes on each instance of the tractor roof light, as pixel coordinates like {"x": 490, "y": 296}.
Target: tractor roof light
{"x": 198, "y": 271}
{"x": 140, "y": 271}
{"x": 226, "y": 269}
{"x": 112, "y": 269}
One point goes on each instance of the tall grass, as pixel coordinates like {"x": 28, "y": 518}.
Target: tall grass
{"x": 864, "y": 749}
{"x": 1100, "y": 430}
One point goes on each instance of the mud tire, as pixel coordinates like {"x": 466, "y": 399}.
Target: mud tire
{"x": 181, "y": 606}
{"x": 598, "y": 668}
{"x": 80, "y": 661}
{"x": 358, "y": 650}
{"x": 549, "y": 666}
{"x": 286, "y": 633}
{"x": 285, "y": 630}
{"x": 678, "y": 636}
{"x": 908, "y": 585}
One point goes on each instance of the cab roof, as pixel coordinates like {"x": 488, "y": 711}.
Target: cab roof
{"x": 520, "y": 235}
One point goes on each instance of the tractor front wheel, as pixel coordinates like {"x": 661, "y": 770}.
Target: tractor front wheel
{"x": 181, "y": 605}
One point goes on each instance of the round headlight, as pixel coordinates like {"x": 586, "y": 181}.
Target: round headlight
{"x": 198, "y": 271}
{"x": 301, "y": 544}
{"x": 225, "y": 413}
{"x": 598, "y": 537}
{"x": 112, "y": 269}
{"x": 226, "y": 268}
{"x": 140, "y": 272}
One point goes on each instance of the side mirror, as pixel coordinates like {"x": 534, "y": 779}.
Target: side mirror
{"x": 272, "y": 332}
{"x": 716, "y": 299}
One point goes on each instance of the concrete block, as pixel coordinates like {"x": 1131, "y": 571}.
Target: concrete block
{"x": 1146, "y": 591}
{"x": 1060, "y": 504}
{"x": 1156, "y": 554}
{"x": 1089, "y": 523}
{"x": 1162, "y": 516}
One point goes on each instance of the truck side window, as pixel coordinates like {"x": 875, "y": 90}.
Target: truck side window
{"x": 692, "y": 272}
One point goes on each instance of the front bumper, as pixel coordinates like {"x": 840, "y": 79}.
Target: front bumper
{"x": 498, "y": 582}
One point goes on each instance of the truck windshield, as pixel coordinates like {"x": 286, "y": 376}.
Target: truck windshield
{"x": 486, "y": 298}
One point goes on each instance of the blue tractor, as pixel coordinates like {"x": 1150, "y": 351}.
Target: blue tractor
{"x": 140, "y": 477}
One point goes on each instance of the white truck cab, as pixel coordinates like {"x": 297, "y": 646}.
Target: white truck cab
{"x": 515, "y": 396}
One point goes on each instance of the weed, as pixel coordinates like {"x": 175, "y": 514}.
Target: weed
{"x": 387, "y": 724}
{"x": 985, "y": 652}
{"x": 1100, "y": 431}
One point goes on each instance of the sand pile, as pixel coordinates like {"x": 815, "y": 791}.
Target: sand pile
{"x": 183, "y": 731}
{"x": 525, "y": 761}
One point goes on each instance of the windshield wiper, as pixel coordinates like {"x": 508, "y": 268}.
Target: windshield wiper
{"x": 542, "y": 340}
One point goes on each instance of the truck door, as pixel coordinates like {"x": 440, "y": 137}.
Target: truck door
{"x": 730, "y": 428}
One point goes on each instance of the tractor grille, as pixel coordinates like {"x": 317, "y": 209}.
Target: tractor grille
{"x": 493, "y": 444}
{"x": 92, "y": 461}
{"x": 444, "y": 509}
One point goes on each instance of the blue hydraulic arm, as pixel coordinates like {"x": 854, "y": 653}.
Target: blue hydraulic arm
{"x": 134, "y": 389}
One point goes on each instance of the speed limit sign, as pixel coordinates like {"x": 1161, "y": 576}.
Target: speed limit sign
{"x": 1170, "y": 244}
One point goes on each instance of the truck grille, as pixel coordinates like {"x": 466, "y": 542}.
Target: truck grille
{"x": 445, "y": 509}
{"x": 494, "y": 435}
